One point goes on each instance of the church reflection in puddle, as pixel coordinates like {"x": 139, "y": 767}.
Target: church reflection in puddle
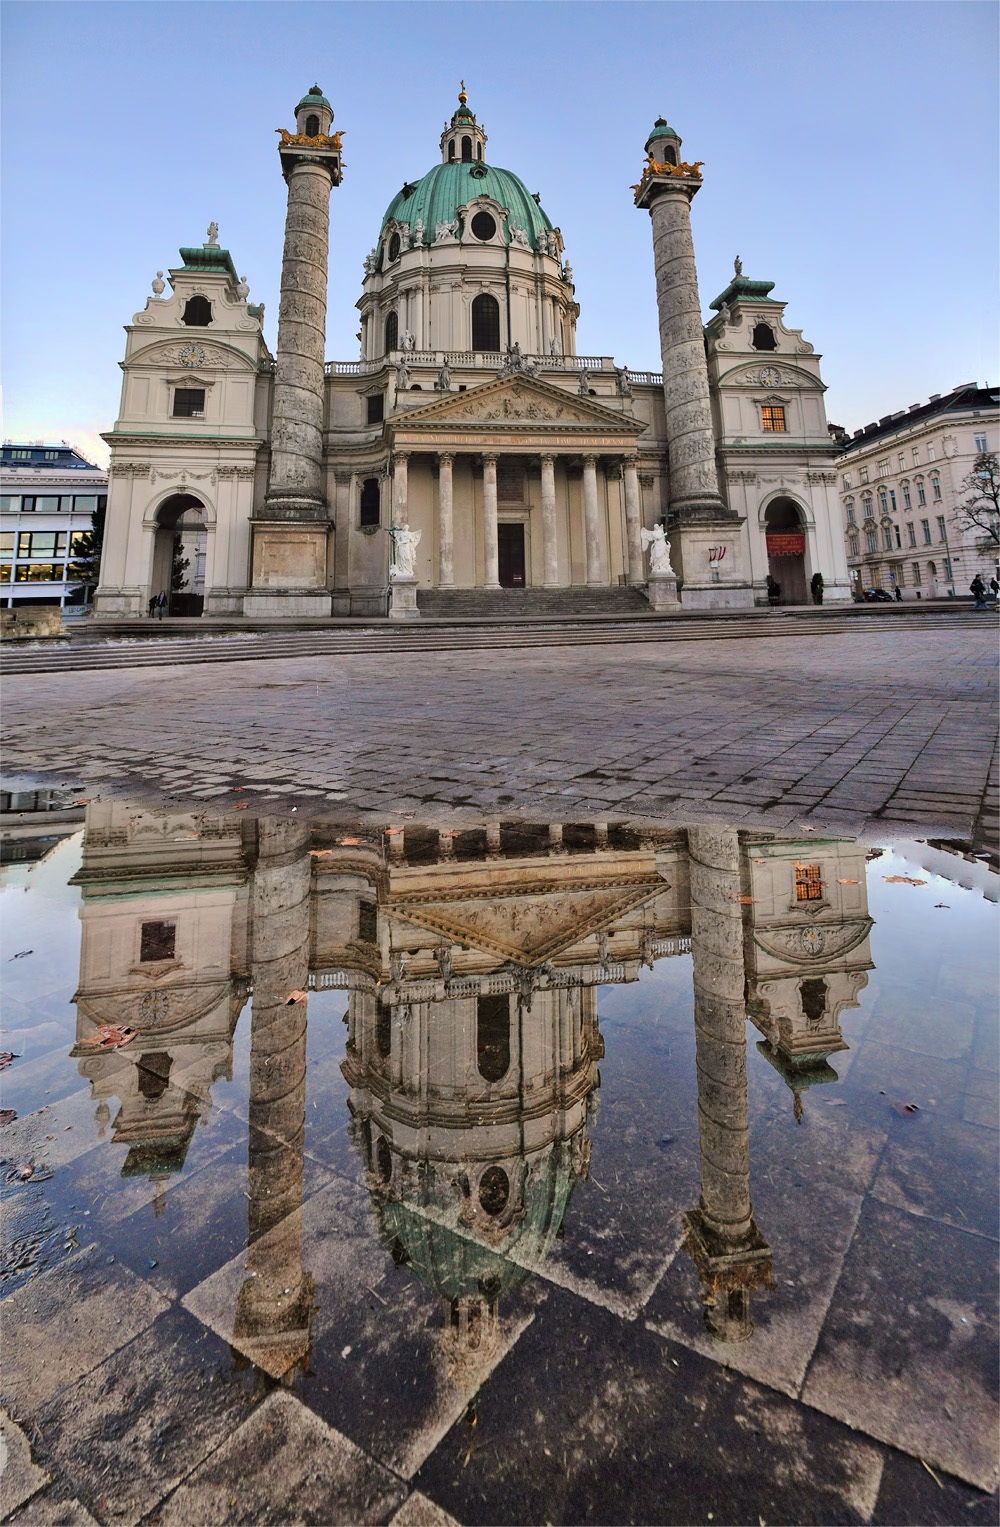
{"x": 472, "y": 961}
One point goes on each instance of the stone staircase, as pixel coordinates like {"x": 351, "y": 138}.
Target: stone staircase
{"x": 530, "y": 604}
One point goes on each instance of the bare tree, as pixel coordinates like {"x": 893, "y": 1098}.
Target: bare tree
{"x": 979, "y": 510}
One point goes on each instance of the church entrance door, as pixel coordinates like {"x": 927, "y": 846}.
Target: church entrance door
{"x": 511, "y": 555}
{"x": 784, "y": 533}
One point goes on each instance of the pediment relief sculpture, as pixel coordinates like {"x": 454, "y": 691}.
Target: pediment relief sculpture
{"x": 524, "y": 401}
{"x": 816, "y": 945}
{"x": 192, "y": 354}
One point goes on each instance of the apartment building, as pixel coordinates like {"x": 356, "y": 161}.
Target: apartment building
{"x": 49, "y": 494}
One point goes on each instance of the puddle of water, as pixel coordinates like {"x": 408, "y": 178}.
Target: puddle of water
{"x": 380, "y": 1115}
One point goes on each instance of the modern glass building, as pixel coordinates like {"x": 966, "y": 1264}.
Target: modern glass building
{"x": 49, "y": 494}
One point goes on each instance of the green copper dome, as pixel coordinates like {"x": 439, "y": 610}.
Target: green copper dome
{"x": 662, "y": 129}
{"x": 314, "y": 97}
{"x": 437, "y": 197}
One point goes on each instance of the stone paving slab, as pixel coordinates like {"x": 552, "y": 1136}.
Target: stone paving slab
{"x": 671, "y": 730}
{"x": 913, "y": 1314}
{"x": 284, "y": 1468}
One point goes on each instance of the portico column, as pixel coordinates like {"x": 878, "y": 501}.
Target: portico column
{"x": 446, "y": 533}
{"x": 491, "y": 552}
{"x": 550, "y": 559}
{"x": 399, "y": 488}
{"x": 590, "y": 521}
{"x": 633, "y": 522}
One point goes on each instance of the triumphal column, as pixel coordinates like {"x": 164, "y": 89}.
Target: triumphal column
{"x": 291, "y": 530}
{"x": 704, "y": 532}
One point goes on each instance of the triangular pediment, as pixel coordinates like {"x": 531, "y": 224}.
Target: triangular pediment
{"x": 529, "y": 929}
{"x": 520, "y": 401}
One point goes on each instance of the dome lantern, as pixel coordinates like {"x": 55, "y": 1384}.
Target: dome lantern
{"x": 664, "y": 143}
{"x": 463, "y": 139}
{"x": 313, "y": 114}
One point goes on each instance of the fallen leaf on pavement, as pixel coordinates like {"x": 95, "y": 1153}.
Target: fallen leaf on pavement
{"x": 835, "y": 1102}
{"x": 902, "y": 880}
{"x": 906, "y": 1108}
{"x": 6, "y": 1056}
{"x": 20, "y": 955}
{"x": 848, "y": 882}
{"x": 946, "y": 905}
{"x": 241, "y": 806}
{"x": 111, "y": 1036}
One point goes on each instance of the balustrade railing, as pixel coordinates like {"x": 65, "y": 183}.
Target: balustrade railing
{"x": 480, "y": 360}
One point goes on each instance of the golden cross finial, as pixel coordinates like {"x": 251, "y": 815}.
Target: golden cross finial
{"x": 463, "y": 98}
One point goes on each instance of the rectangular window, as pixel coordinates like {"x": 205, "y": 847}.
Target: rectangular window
{"x": 772, "y": 418}
{"x": 936, "y": 487}
{"x": 27, "y": 505}
{"x": 51, "y": 455}
{"x": 10, "y": 504}
{"x": 157, "y": 942}
{"x": 376, "y": 408}
{"x": 850, "y": 515}
{"x": 899, "y": 540}
{"x": 887, "y": 536}
{"x": 915, "y": 453}
{"x": 911, "y": 534}
{"x": 925, "y": 526}
{"x": 189, "y": 403}
{"x": 7, "y": 543}
{"x": 883, "y": 467}
{"x": 864, "y": 474}
{"x": 41, "y": 543}
{"x": 916, "y": 572}
{"x": 921, "y": 495}
{"x": 941, "y": 530}
{"x": 47, "y": 505}
{"x": 83, "y": 503}
{"x": 981, "y": 445}
{"x": 897, "y": 572}
{"x": 872, "y": 539}
{"x": 368, "y": 922}
{"x": 882, "y": 502}
{"x": 901, "y": 460}
{"x": 906, "y": 498}
{"x": 78, "y": 542}
{"x": 37, "y": 572}
{"x": 852, "y": 546}
{"x": 808, "y": 884}
{"x": 6, "y": 572}
{"x": 947, "y": 569}
{"x": 892, "y": 499}
{"x": 20, "y": 455}
{"x": 847, "y": 482}
{"x": 930, "y": 450}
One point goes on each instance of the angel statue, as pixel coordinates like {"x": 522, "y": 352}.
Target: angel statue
{"x": 404, "y": 543}
{"x": 656, "y": 543}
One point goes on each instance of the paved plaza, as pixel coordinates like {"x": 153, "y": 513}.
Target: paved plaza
{"x": 854, "y": 731}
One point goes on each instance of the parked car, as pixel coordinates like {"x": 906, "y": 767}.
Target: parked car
{"x": 877, "y": 596}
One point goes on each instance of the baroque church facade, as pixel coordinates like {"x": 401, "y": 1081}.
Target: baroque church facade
{"x": 470, "y": 460}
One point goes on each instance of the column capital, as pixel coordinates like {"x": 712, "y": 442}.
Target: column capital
{"x": 548, "y": 458}
{"x": 448, "y": 456}
{"x": 490, "y": 458}
{"x": 630, "y": 462}
{"x": 401, "y": 456}
{"x": 590, "y": 459}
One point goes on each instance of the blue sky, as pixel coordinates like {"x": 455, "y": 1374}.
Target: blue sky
{"x": 850, "y": 156}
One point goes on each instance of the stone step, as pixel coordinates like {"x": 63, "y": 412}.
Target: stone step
{"x": 510, "y": 604}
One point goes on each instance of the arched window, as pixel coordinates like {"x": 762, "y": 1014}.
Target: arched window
{"x": 494, "y": 1190}
{"x": 479, "y": 151}
{"x": 451, "y": 151}
{"x": 312, "y": 127}
{"x": 493, "y": 1037}
{"x": 466, "y": 150}
{"x": 883, "y": 500}
{"x": 391, "y": 333}
{"x": 813, "y": 995}
{"x": 485, "y": 322}
{"x": 936, "y": 486}
{"x": 383, "y": 1030}
{"x": 763, "y": 337}
{"x": 669, "y": 156}
{"x": 370, "y": 503}
{"x": 197, "y": 312}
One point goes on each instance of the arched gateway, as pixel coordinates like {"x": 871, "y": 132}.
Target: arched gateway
{"x": 785, "y": 532}
{"x": 179, "y": 554}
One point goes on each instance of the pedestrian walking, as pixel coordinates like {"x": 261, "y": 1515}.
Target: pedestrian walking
{"x": 995, "y": 588}
{"x": 152, "y": 605}
{"x": 899, "y": 594}
{"x": 816, "y": 588}
{"x": 161, "y": 606}
{"x": 977, "y": 588}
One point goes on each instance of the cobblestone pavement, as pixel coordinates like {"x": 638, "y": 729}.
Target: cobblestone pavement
{"x": 851, "y": 731}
